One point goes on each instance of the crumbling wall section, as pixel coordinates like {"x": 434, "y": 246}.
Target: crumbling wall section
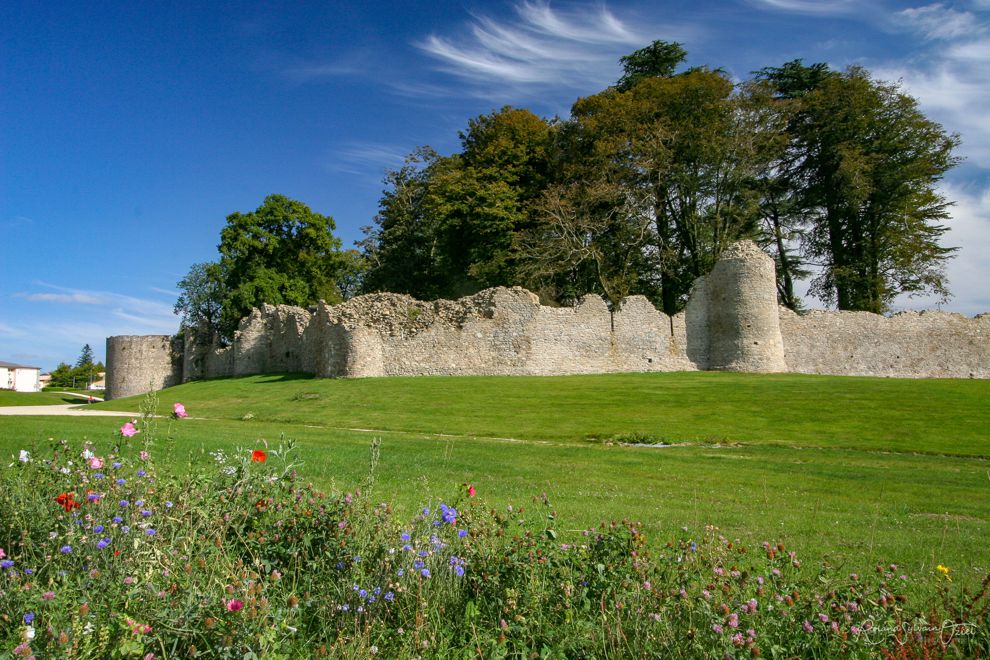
{"x": 906, "y": 345}
{"x": 737, "y": 310}
{"x": 141, "y": 363}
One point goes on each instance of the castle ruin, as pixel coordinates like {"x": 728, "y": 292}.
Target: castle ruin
{"x": 731, "y": 323}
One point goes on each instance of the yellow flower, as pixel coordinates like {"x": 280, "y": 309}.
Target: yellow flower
{"x": 944, "y": 570}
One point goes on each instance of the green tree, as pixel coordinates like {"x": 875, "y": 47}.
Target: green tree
{"x": 85, "y": 357}
{"x": 686, "y": 154}
{"x": 281, "y": 253}
{"x": 200, "y": 302}
{"x": 866, "y": 163}
{"x": 446, "y": 224}
{"x": 62, "y": 376}
{"x": 658, "y": 60}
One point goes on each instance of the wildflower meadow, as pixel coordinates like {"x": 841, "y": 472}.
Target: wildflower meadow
{"x": 106, "y": 552}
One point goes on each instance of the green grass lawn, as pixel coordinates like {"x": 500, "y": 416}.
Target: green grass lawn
{"x": 854, "y": 471}
{"x": 9, "y": 398}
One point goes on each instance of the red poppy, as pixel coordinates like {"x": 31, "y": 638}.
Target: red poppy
{"x": 258, "y": 456}
{"x": 66, "y": 501}
{"x": 471, "y": 490}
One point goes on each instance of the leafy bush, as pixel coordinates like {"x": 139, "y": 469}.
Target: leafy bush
{"x": 106, "y": 553}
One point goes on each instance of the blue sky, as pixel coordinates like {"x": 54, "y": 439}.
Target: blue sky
{"x": 129, "y": 131}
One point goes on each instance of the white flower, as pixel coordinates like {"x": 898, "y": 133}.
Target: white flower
{"x": 64, "y": 470}
{"x": 27, "y": 634}
{"x": 230, "y": 469}
{"x": 25, "y": 456}
{"x": 87, "y": 454}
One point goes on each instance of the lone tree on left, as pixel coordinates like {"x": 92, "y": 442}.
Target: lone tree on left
{"x": 282, "y": 253}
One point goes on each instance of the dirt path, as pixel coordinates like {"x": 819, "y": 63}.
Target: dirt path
{"x": 66, "y": 409}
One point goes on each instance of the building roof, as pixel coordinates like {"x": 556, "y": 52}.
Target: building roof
{"x": 11, "y": 365}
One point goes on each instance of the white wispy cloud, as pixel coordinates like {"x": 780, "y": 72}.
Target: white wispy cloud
{"x": 950, "y": 76}
{"x": 969, "y": 270}
{"x": 810, "y": 6}
{"x": 939, "y": 22}
{"x": 541, "y": 47}
{"x": 59, "y": 320}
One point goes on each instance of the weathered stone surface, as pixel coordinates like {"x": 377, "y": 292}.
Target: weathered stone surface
{"x": 909, "y": 344}
{"x": 731, "y": 322}
{"x": 141, "y": 363}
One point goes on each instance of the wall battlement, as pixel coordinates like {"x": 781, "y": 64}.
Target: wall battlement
{"x": 731, "y": 323}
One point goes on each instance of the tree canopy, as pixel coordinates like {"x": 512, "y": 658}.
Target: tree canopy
{"x": 834, "y": 173}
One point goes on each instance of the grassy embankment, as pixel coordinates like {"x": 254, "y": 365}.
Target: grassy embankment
{"x": 853, "y": 470}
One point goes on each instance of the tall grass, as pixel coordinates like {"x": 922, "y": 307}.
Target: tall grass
{"x": 111, "y": 552}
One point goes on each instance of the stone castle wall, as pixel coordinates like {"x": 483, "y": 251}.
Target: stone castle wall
{"x": 141, "y": 364}
{"x": 732, "y": 323}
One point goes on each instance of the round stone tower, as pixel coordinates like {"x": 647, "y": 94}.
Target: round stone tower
{"x": 742, "y": 314}
{"x": 141, "y": 363}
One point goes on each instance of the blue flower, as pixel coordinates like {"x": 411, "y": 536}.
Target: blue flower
{"x": 363, "y": 593}
{"x": 389, "y": 596}
{"x": 459, "y": 570}
{"x": 28, "y": 571}
{"x": 98, "y": 529}
{"x": 357, "y": 559}
{"x": 103, "y": 543}
{"x": 125, "y": 529}
{"x": 65, "y": 549}
{"x": 124, "y": 503}
{"x": 405, "y": 536}
{"x": 6, "y": 563}
{"x": 340, "y": 565}
{"x": 141, "y": 473}
{"x": 139, "y": 503}
{"x": 418, "y": 564}
{"x": 116, "y": 464}
{"x": 150, "y": 532}
{"x": 168, "y": 505}
{"x": 407, "y": 547}
{"x": 121, "y": 481}
{"x": 399, "y": 572}
{"x": 29, "y": 617}
{"x": 98, "y": 475}
{"x": 425, "y": 572}
{"x": 694, "y": 546}
{"x": 145, "y": 514}
{"x": 461, "y": 533}
{"x": 118, "y": 519}
{"x": 426, "y": 511}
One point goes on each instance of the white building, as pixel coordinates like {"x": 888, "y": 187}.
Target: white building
{"x": 19, "y": 378}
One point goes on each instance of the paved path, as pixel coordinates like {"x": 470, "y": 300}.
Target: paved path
{"x": 67, "y": 409}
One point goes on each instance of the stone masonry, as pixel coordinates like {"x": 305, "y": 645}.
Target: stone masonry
{"x": 731, "y": 323}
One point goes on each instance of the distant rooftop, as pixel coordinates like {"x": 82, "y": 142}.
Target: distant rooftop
{"x": 11, "y": 365}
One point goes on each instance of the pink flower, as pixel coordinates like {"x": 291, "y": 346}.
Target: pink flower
{"x": 144, "y": 455}
{"x": 471, "y": 490}
{"x": 128, "y": 429}
{"x": 807, "y": 626}
{"x": 234, "y": 605}
{"x": 96, "y": 463}
{"x": 2, "y": 553}
{"x": 179, "y": 410}
{"x": 48, "y": 595}
{"x": 737, "y": 639}
{"x": 733, "y": 620}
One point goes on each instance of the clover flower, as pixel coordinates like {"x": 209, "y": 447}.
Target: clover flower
{"x": 128, "y": 430}
{"x": 179, "y": 411}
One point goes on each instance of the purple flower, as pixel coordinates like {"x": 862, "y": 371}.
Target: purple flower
{"x": 121, "y": 481}
{"x": 118, "y": 519}
{"x": 389, "y": 596}
{"x": 168, "y": 505}
{"x": 6, "y": 563}
{"x": 807, "y": 626}
{"x": 461, "y": 533}
{"x": 150, "y": 532}
{"x": 139, "y": 503}
{"x": 145, "y": 514}
{"x": 405, "y": 536}
{"x": 399, "y": 572}
{"x": 363, "y": 593}
{"x": 98, "y": 529}
{"x": 28, "y": 571}
{"x": 459, "y": 570}
{"x": 65, "y": 549}
{"x": 103, "y": 543}
{"x": 123, "y": 503}
{"x": 717, "y": 629}
{"x": 425, "y": 572}
{"x": 98, "y": 475}
{"x": 141, "y": 473}
{"x": 418, "y": 564}
{"x": 29, "y": 617}
{"x": 116, "y": 464}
